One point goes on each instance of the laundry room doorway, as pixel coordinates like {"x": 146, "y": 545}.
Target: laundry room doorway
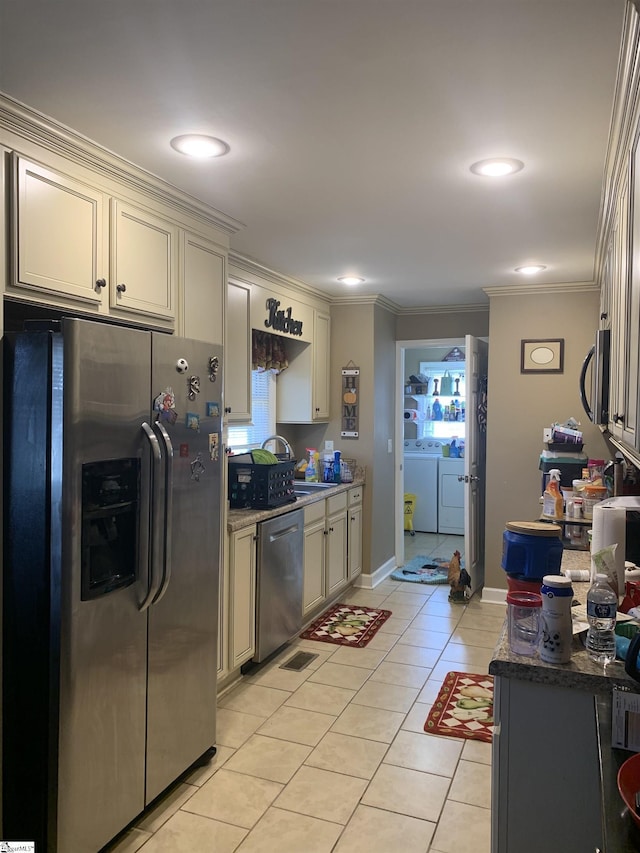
{"x": 441, "y": 451}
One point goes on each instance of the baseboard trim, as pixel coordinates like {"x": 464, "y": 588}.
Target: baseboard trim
{"x": 380, "y": 574}
{"x": 494, "y": 595}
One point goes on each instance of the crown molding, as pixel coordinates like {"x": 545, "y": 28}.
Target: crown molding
{"x": 250, "y": 266}
{"x": 28, "y": 123}
{"x": 367, "y": 299}
{"x": 541, "y": 289}
{"x": 447, "y": 309}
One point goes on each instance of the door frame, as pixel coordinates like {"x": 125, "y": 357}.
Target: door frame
{"x": 401, "y": 347}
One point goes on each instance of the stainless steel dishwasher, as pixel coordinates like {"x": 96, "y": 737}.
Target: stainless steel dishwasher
{"x": 279, "y": 582}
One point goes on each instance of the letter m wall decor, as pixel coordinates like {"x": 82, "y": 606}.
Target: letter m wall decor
{"x": 350, "y": 401}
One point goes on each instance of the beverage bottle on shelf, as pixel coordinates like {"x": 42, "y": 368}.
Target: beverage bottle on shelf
{"x": 602, "y": 604}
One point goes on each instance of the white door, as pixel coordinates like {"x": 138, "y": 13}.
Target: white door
{"x": 475, "y": 456}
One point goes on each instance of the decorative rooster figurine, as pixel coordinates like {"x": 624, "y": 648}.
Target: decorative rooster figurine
{"x": 458, "y": 579}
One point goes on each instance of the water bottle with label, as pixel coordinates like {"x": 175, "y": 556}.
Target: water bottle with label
{"x": 602, "y": 605}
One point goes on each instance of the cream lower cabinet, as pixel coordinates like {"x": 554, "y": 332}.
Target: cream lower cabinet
{"x": 314, "y": 592}
{"x": 325, "y": 551}
{"x": 242, "y": 595}
{"x": 354, "y": 532}
{"x": 336, "y": 546}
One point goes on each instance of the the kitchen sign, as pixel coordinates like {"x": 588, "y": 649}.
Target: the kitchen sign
{"x": 350, "y": 401}
{"x": 282, "y": 321}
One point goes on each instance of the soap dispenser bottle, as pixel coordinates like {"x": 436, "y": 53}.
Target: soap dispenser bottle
{"x": 311, "y": 472}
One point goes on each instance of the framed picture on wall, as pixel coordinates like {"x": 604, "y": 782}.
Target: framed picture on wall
{"x": 542, "y": 355}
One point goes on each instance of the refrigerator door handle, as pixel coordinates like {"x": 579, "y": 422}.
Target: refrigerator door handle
{"x": 156, "y": 528}
{"x": 168, "y": 508}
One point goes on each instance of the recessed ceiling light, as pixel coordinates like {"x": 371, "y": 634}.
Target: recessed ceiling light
{"x": 496, "y": 167}
{"x": 198, "y": 145}
{"x": 530, "y": 269}
{"x": 350, "y": 279}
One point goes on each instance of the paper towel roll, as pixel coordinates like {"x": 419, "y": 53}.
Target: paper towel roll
{"x": 609, "y": 526}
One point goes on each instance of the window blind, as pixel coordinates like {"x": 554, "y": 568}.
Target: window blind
{"x": 263, "y": 414}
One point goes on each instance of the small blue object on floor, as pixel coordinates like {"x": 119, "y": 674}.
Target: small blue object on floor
{"x": 431, "y": 570}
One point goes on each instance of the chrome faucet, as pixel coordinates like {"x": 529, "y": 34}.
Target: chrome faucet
{"x": 287, "y": 447}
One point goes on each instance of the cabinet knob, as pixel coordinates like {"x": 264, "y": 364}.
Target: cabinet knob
{"x": 617, "y": 418}
{"x": 227, "y": 410}
{"x": 100, "y": 283}
{"x": 121, "y": 288}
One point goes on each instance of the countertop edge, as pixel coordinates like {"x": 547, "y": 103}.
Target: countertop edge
{"x": 239, "y": 518}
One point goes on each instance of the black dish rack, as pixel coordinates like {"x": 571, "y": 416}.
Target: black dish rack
{"x": 253, "y": 486}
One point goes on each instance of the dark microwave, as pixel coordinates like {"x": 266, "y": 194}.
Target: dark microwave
{"x": 597, "y": 407}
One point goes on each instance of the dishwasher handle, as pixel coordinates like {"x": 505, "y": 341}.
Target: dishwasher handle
{"x": 286, "y": 531}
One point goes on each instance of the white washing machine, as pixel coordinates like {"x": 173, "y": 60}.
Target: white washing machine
{"x": 450, "y": 496}
{"x": 421, "y": 479}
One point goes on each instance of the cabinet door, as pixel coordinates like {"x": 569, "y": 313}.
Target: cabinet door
{"x": 58, "y": 234}
{"x": 321, "y": 373}
{"x": 314, "y": 566}
{"x": 336, "y": 555}
{"x": 144, "y": 262}
{"x": 237, "y": 389}
{"x": 203, "y": 289}
{"x": 242, "y": 596}
{"x": 354, "y": 542}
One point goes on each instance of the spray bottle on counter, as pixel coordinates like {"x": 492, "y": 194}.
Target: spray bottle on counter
{"x": 311, "y": 472}
{"x": 552, "y": 502}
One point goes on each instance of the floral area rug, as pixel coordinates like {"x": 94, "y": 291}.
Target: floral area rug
{"x": 347, "y": 625}
{"x": 464, "y": 707}
{"x": 431, "y": 570}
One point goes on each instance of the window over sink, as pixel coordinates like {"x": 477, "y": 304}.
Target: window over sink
{"x": 263, "y": 414}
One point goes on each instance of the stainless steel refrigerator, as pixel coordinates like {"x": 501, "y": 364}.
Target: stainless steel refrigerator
{"x": 112, "y": 442}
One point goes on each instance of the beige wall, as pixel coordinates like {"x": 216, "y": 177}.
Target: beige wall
{"x": 444, "y": 324}
{"x": 364, "y": 334}
{"x": 520, "y": 406}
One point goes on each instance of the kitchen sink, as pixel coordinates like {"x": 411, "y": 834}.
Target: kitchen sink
{"x": 309, "y": 488}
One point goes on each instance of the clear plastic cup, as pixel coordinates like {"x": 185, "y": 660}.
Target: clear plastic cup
{"x": 523, "y": 617}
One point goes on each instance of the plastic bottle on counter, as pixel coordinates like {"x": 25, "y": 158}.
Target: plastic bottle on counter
{"x": 311, "y": 472}
{"x": 602, "y": 604}
{"x": 556, "y": 625}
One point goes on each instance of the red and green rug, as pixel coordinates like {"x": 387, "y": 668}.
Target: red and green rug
{"x": 347, "y": 625}
{"x": 464, "y": 707}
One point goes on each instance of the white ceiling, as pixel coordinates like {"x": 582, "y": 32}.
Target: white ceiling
{"x": 352, "y": 125}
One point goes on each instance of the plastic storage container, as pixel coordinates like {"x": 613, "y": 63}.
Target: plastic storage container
{"x": 531, "y": 549}
{"x": 556, "y": 629}
{"x": 523, "y": 619}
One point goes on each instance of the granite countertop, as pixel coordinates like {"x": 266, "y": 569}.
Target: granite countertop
{"x": 239, "y": 518}
{"x": 581, "y": 672}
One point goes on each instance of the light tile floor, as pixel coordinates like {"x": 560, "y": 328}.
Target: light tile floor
{"x": 335, "y": 758}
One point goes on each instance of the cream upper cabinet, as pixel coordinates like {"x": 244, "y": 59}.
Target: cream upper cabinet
{"x": 203, "y": 288}
{"x": 237, "y": 350}
{"x": 303, "y": 388}
{"x": 321, "y": 374}
{"x": 144, "y": 262}
{"x": 58, "y": 234}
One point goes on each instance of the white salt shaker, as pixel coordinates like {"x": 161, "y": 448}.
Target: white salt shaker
{"x": 556, "y": 632}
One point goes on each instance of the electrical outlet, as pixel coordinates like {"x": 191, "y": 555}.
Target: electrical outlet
{"x": 546, "y": 434}
{"x": 389, "y": 445}
{"x": 328, "y": 445}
